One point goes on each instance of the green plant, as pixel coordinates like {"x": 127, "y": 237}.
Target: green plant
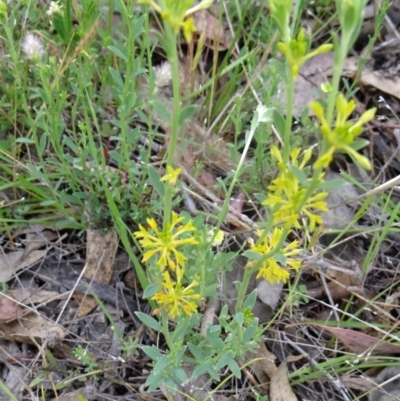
{"x": 294, "y": 200}
{"x": 73, "y": 108}
{"x": 298, "y": 296}
{"x": 87, "y": 361}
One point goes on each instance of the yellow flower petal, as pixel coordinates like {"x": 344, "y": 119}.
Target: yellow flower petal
{"x": 270, "y": 268}
{"x": 172, "y": 175}
{"x": 166, "y": 243}
{"x": 175, "y": 298}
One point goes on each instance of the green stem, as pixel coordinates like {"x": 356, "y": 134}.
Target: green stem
{"x": 202, "y": 265}
{"x": 243, "y": 288}
{"x": 289, "y": 113}
{"x": 18, "y": 82}
{"x": 165, "y": 331}
{"x": 172, "y": 54}
{"x": 339, "y": 58}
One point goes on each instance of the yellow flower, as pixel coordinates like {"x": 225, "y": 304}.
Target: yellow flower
{"x": 287, "y": 178}
{"x": 296, "y": 52}
{"x": 286, "y": 193}
{"x": 166, "y": 242}
{"x": 188, "y": 27}
{"x": 344, "y": 133}
{"x": 175, "y": 12}
{"x": 218, "y": 237}
{"x": 172, "y": 175}
{"x": 270, "y": 269}
{"x": 174, "y": 298}
{"x": 287, "y": 212}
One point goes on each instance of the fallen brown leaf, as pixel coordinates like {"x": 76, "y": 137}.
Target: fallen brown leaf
{"x": 32, "y": 295}
{"x": 31, "y": 327}
{"x": 389, "y": 85}
{"x": 358, "y": 342}
{"x": 35, "y": 237}
{"x": 280, "y": 389}
{"x": 100, "y": 253}
{"x": 262, "y": 363}
{"x": 209, "y": 25}
{"x": 11, "y": 262}
{"x": 9, "y": 309}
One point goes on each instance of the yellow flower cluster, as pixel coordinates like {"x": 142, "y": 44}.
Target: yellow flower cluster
{"x": 287, "y": 192}
{"x": 176, "y": 13}
{"x": 296, "y": 52}
{"x": 342, "y": 136}
{"x": 166, "y": 242}
{"x": 270, "y": 268}
{"x": 173, "y": 297}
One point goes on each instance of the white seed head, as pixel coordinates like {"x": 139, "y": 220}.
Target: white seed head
{"x": 32, "y": 46}
{"x": 163, "y": 74}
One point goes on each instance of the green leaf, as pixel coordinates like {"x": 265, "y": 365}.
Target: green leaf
{"x": 139, "y": 71}
{"x": 152, "y": 352}
{"x": 234, "y": 367}
{"x": 224, "y": 360}
{"x": 215, "y": 329}
{"x": 43, "y": 143}
{"x": 117, "y": 157}
{"x": 116, "y": 77}
{"x": 213, "y": 373}
{"x": 359, "y": 144}
{"x": 154, "y": 381}
{"x": 206, "y": 367}
{"x": 215, "y": 341}
{"x": 162, "y": 111}
{"x": 261, "y": 197}
{"x": 170, "y": 385}
{"x": 249, "y": 333}
{"x": 181, "y": 329}
{"x": 161, "y": 364}
{"x": 180, "y": 375}
{"x": 48, "y": 202}
{"x": 138, "y": 27}
{"x": 195, "y": 351}
{"x": 299, "y": 174}
{"x": 211, "y": 290}
{"x": 238, "y": 285}
{"x": 149, "y": 321}
{"x": 67, "y": 141}
{"x": 239, "y": 317}
{"x": 118, "y": 52}
{"x": 279, "y": 121}
{"x": 250, "y": 300}
{"x": 201, "y": 369}
{"x": 58, "y": 23}
{"x": 186, "y": 113}
{"x": 252, "y": 255}
{"x": 224, "y": 312}
{"x": 327, "y": 185}
{"x": 155, "y": 180}
{"x": 38, "y": 379}
{"x": 280, "y": 257}
{"x": 161, "y": 38}
{"x": 25, "y": 140}
{"x": 150, "y": 290}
